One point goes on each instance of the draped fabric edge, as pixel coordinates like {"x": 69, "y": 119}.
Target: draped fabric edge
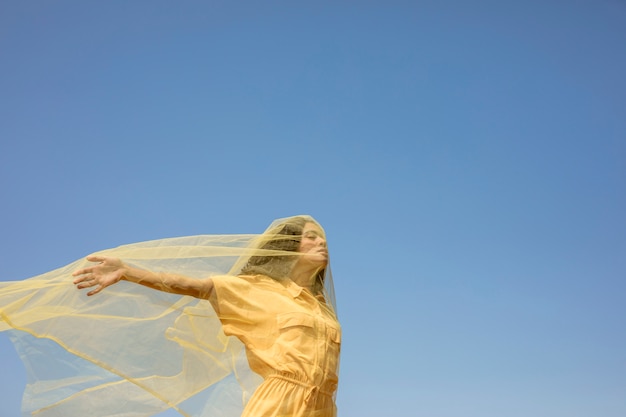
{"x": 156, "y": 255}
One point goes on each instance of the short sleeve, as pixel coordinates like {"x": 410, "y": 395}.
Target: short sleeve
{"x": 241, "y": 305}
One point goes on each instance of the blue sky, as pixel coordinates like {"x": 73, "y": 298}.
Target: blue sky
{"x": 467, "y": 159}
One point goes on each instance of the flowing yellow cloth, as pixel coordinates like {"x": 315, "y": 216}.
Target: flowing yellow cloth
{"x": 132, "y": 351}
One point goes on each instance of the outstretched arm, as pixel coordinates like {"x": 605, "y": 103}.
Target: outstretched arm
{"x": 109, "y": 271}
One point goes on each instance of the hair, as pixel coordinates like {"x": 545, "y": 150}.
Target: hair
{"x": 283, "y": 237}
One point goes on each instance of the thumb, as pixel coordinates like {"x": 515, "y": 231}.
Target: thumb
{"x": 96, "y": 258}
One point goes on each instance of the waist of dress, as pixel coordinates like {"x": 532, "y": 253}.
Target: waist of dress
{"x": 326, "y": 388}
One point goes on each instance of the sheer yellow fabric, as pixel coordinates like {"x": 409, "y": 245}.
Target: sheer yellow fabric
{"x": 261, "y": 345}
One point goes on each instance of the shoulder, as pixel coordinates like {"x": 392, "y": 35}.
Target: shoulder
{"x": 244, "y": 282}
{"x": 245, "y": 294}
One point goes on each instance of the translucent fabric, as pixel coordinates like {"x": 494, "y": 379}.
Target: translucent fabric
{"x": 258, "y": 345}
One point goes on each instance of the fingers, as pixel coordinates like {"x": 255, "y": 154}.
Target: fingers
{"x": 90, "y": 258}
{"x": 96, "y": 291}
{"x": 87, "y": 273}
{"x": 87, "y": 278}
{"x": 96, "y": 258}
{"x": 100, "y": 287}
{"x": 90, "y": 282}
{"x": 86, "y": 281}
{"x": 82, "y": 271}
{"x": 79, "y": 280}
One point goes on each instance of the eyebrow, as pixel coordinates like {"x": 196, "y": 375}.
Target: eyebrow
{"x": 315, "y": 232}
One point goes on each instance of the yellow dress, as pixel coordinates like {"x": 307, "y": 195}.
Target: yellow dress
{"x": 292, "y": 340}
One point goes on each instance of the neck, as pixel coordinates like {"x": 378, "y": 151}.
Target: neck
{"x": 304, "y": 275}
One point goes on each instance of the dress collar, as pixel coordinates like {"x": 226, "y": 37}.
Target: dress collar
{"x": 293, "y": 289}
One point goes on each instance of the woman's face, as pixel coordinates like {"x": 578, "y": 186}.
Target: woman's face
{"x": 313, "y": 245}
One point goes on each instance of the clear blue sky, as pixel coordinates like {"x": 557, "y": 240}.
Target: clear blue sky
{"x": 467, "y": 159}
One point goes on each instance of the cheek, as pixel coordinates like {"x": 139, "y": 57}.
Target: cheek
{"x": 305, "y": 246}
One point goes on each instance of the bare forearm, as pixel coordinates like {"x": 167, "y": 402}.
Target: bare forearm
{"x": 108, "y": 270}
{"x": 169, "y": 282}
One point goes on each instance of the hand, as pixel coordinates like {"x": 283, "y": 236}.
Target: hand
{"x": 107, "y": 272}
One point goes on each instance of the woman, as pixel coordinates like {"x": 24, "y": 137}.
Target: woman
{"x": 275, "y": 299}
